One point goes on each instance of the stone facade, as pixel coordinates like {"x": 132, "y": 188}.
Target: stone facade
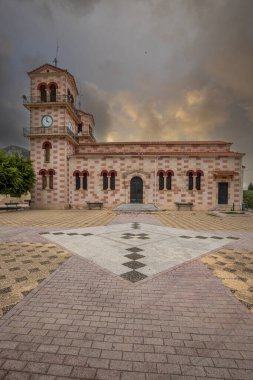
{"x": 72, "y": 168}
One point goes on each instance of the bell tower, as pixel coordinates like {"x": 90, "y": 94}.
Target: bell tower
{"x": 53, "y": 133}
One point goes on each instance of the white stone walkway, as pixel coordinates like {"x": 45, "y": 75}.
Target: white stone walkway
{"x": 137, "y": 250}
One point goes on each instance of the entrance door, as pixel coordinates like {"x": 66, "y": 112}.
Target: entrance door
{"x": 136, "y": 190}
{"x": 223, "y": 193}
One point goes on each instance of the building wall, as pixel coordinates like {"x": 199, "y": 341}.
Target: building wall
{"x": 147, "y": 168}
{"x": 58, "y": 196}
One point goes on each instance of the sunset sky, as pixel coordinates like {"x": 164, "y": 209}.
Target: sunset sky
{"x": 146, "y": 69}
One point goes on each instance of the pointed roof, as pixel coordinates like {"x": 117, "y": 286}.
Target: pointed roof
{"x": 56, "y": 69}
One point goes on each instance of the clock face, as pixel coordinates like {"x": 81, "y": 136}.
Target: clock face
{"x": 47, "y": 121}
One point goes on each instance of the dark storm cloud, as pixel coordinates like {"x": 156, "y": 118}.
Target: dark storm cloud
{"x": 77, "y": 7}
{"x": 95, "y": 101}
{"x": 147, "y": 69}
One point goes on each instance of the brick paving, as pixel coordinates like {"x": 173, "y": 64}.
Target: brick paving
{"x": 235, "y": 268}
{"x": 197, "y": 220}
{"x": 55, "y": 218}
{"x": 84, "y": 322}
{"x": 23, "y": 266}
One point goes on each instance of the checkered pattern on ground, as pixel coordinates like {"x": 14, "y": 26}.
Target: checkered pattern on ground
{"x": 23, "y": 266}
{"x": 56, "y": 218}
{"x": 235, "y": 268}
{"x": 203, "y": 221}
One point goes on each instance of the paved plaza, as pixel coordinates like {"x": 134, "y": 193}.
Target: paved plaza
{"x": 133, "y": 297}
{"x": 135, "y": 251}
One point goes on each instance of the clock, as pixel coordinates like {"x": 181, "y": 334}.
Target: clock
{"x": 47, "y": 121}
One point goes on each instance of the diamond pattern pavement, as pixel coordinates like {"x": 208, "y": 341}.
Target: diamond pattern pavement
{"x": 161, "y": 247}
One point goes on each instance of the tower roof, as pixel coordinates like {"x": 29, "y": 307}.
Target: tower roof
{"x": 55, "y": 69}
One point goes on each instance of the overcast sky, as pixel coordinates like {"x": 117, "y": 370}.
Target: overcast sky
{"x": 146, "y": 69}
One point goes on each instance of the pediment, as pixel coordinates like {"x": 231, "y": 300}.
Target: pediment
{"x": 47, "y": 68}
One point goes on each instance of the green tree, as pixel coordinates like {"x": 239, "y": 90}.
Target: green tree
{"x": 248, "y": 198}
{"x": 250, "y": 187}
{"x": 17, "y": 176}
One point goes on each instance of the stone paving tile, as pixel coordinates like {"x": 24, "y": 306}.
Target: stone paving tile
{"x": 235, "y": 268}
{"x": 56, "y": 218}
{"x": 27, "y": 265}
{"x": 204, "y": 221}
{"x": 128, "y": 331}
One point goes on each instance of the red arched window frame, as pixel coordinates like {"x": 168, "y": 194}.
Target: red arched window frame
{"x": 53, "y": 83}
{"x": 161, "y": 174}
{"x": 112, "y": 174}
{"x": 169, "y": 174}
{"x": 41, "y": 84}
{"x": 85, "y": 175}
{"x": 52, "y": 91}
{"x": 161, "y": 171}
{"x": 104, "y": 174}
{"x": 47, "y": 146}
{"x": 190, "y": 174}
{"x": 51, "y": 173}
{"x": 43, "y": 173}
{"x": 199, "y": 174}
{"x": 77, "y": 174}
{"x": 42, "y": 87}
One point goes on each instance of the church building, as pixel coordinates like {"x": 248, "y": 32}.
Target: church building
{"x": 72, "y": 168}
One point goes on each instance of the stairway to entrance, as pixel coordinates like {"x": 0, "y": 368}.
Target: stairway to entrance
{"x": 136, "y": 207}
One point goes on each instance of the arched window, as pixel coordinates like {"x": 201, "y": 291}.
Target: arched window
{"x": 105, "y": 180}
{"x": 161, "y": 174}
{"x": 198, "y": 179}
{"x": 47, "y": 146}
{"x": 190, "y": 174}
{"x": 80, "y": 128}
{"x": 52, "y": 88}
{"x": 85, "y": 179}
{"x": 161, "y": 181}
{"x": 43, "y": 92}
{"x": 168, "y": 181}
{"x": 70, "y": 97}
{"x": 112, "y": 181}
{"x": 43, "y": 174}
{"x": 51, "y": 173}
{"x": 77, "y": 179}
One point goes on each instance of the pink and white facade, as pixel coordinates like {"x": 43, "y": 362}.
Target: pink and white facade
{"x": 72, "y": 168}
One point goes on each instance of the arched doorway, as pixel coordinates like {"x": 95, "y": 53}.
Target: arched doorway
{"x": 136, "y": 190}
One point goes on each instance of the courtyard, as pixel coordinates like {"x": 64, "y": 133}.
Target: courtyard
{"x": 103, "y": 295}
